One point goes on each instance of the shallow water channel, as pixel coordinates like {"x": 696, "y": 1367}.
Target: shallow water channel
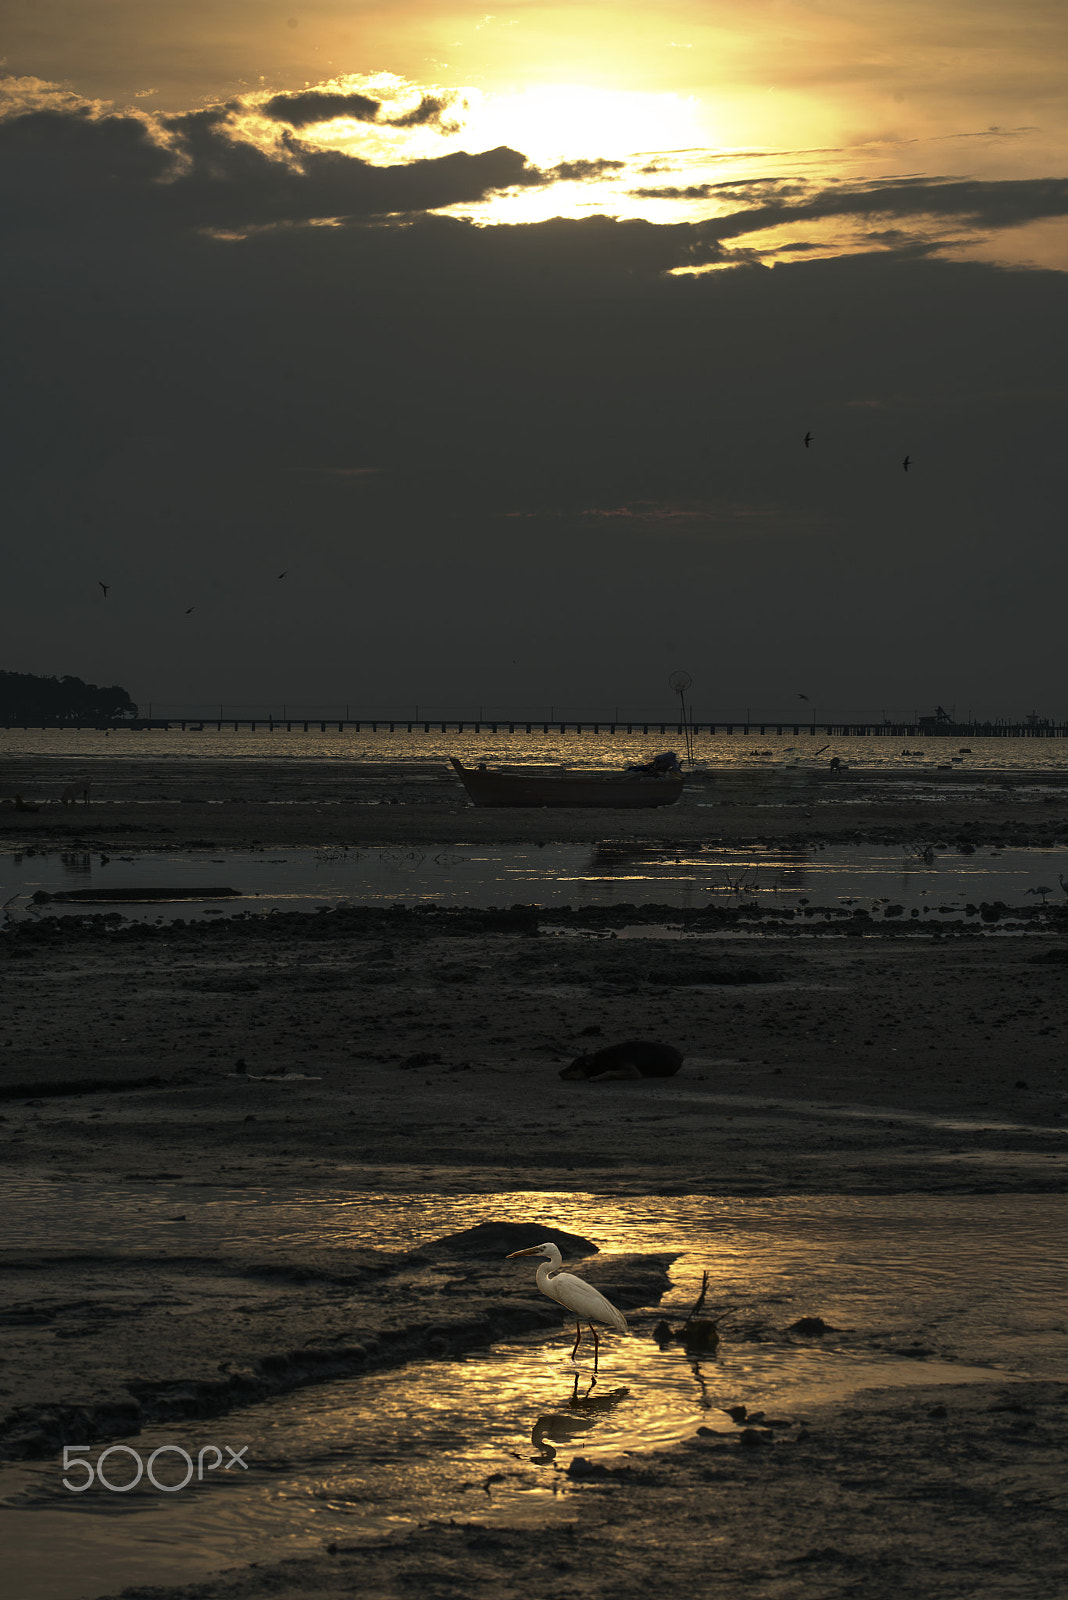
{"x": 942, "y": 881}
{"x": 916, "y": 1291}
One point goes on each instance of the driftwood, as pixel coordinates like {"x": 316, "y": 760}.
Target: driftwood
{"x": 108, "y": 896}
{"x": 698, "y": 1334}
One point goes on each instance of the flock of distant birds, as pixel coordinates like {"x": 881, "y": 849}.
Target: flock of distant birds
{"x": 189, "y": 609}
{"x": 809, "y": 436}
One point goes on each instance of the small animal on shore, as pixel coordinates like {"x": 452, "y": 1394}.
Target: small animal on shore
{"x": 580, "y": 1298}
{"x": 636, "y": 1058}
{"x": 80, "y": 790}
{"x": 25, "y": 805}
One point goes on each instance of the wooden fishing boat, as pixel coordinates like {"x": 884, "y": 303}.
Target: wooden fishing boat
{"x": 553, "y": 786}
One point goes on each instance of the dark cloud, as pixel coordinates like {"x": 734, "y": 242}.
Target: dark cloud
{"x": 60, "y": 170}
{"x": 56, "y": 167}
{"x": 1002, "y": 204}
{"x": 583, "y": 171}
{"x": 733, "y": 188}
{"x": 315, "y": 105}
{"x": 432, "y": 111}
{"x": 974, "y": 203}
{"x": 474, "y": 437}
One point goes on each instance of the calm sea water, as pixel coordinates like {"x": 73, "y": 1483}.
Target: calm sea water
{"x": 418, "y": 749}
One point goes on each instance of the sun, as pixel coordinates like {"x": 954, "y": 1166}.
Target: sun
{"x": 556, "y": 122}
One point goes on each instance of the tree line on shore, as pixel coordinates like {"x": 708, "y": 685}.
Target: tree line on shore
{"x": 26, "y": 698}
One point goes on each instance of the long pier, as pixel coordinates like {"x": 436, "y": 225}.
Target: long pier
{"x": 841, "y": 730}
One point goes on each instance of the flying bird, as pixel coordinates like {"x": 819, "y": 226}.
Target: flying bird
{"x": 801, "y": 696}
{"x": 189, "y": 609}
{"x": 808, "y": 440}
{"x": 104, "y": 586}
{"x": 282, "y": 574}
{"x": 907, "y": 463}
{"x": 586, "y": 1303}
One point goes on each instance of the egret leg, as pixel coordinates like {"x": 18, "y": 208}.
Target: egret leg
{"x": 578, "y": 1340}
{"x": 596, "y": 1346}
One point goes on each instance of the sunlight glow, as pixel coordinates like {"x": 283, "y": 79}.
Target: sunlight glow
{"x": 557, "y": 122}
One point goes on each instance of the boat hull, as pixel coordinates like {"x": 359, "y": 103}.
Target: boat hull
{"x": 625, "y": 792}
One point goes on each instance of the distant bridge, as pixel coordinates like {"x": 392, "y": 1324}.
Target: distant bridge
{"x": 924, "y": 729}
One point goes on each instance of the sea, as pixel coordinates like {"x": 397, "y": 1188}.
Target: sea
{"x": 591, "y": 749}
{"x": 936, "y": 879}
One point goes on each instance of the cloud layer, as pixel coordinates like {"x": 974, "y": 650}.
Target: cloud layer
{"x": 464, "y": 442}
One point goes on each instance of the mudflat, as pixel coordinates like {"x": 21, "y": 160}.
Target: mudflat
{"x": 421, "y": 1048}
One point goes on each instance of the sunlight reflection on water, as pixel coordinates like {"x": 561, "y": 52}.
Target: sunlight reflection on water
{"x": 916, "y": 1290}
{"x": 289, "y": 879}
{"x": 415, "y": 750}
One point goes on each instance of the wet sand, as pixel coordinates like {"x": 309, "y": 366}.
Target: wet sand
{"x": 240, "y": 803}
{"x": 851, "y": 1061}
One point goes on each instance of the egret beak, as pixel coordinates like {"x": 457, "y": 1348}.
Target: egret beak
{"x": 532, "y": 1250}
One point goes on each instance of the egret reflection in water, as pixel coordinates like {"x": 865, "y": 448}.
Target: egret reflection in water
{"x": 581, "y": 1413}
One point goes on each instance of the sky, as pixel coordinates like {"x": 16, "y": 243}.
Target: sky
{"x": 394, "y": 354}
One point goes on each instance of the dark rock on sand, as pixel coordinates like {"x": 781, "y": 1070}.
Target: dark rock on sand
{"x": 635, "y": 1058}
{"x": 499, "y": 1239}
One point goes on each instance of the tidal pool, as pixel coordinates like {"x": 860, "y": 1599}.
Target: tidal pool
{"x": 914, "y": 1290}
{"x": 937, "y": 882}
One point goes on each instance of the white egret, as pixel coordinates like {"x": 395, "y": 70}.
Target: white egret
{"x": 586, "y": 1303}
